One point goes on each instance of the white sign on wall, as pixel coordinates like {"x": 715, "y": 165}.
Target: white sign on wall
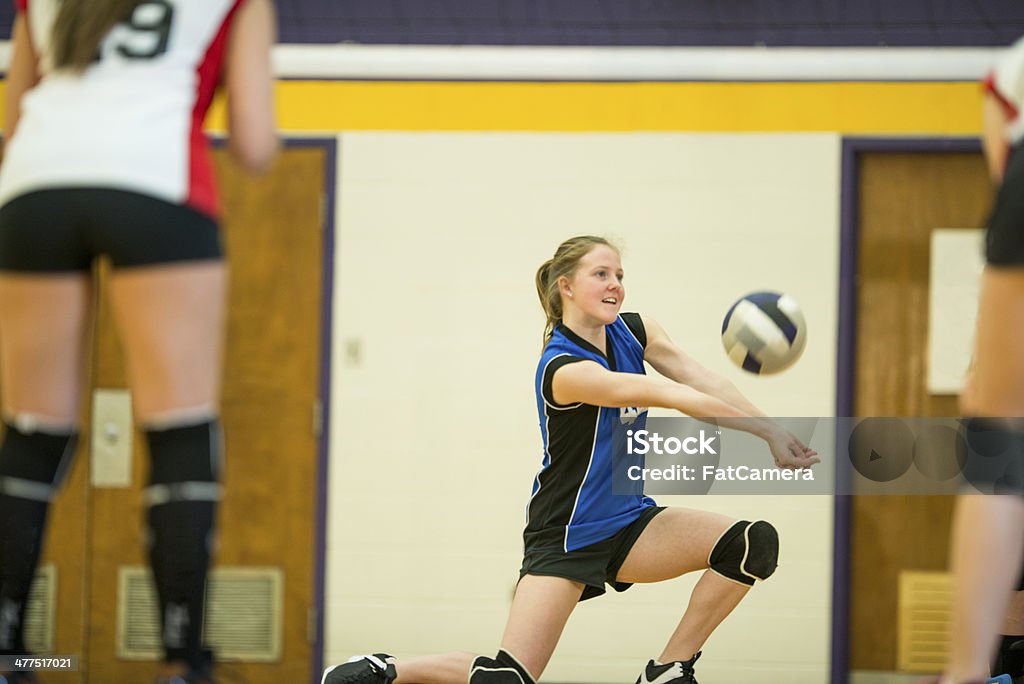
{"x": 956, "y": 267}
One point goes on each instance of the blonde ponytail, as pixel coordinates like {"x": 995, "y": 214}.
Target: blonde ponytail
{"x": 564, "y": 263}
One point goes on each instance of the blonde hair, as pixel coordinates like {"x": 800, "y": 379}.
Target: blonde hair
{"x": 81, "y": 25}
{"x": 564, "y": 263}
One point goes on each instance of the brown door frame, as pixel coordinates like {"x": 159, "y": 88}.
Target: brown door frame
{"x": 846, "y": 350}
{"x": 330, "y": 147}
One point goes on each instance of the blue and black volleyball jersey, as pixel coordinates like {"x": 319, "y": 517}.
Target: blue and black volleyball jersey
{"x": 572, "y": 505}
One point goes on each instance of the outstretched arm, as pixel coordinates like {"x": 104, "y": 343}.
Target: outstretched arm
{"x": 674, "y": 363}
{"x": 591, "y": 383}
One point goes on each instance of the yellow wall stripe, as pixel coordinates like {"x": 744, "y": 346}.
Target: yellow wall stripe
{"x": 851, "y": 108}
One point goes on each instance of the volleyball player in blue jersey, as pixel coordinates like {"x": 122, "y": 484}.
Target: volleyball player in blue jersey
{"x": 579, "y": 536}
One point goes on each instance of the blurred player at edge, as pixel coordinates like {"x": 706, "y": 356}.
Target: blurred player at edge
{"x": 105, "y": 154}
{"x": 988, "y": 531}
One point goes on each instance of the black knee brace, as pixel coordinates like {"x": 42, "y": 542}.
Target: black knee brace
{"x": 32, "y": 465}
{"x": 746, "y": 552}
{"x": 501, "y": 669}
{"x": 182, "y": 496}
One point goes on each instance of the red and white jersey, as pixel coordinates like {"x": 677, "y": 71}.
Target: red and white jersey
{"x": 133, "y": 119}
{"x": 1006, "y": 82}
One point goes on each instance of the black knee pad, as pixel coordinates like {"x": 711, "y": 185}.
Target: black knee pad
{"x": 33, "y": 462}
{"x": 187, "y": 453}
{"x": 501, "y": 669}
{"x": 32, "y": 465}
{"x": 747, "y": 552}
{"x": 182, "y": 498}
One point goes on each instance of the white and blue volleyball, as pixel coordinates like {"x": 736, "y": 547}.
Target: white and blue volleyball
{"x": 764, "y": 332}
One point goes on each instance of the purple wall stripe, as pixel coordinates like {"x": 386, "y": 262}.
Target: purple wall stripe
{"x": 820, "y": 23}
{"x": 330, "y": 147}
{"x": 655, "y": 22}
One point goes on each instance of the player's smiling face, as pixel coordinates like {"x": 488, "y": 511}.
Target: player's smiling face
{"x": 596, "y": 287}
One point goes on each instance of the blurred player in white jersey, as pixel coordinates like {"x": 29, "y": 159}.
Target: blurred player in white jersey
{"x": 105, "y": 154}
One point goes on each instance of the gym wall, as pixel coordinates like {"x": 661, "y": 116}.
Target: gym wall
{"x": 437, "y": 335}
{"x": 441, "y": 225}
{"x": 449, "y": 195}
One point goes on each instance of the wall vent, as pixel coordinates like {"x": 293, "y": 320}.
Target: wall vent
{"x": 925, "y": 609}
{"x": 243, "y": 616}
{"x": 42, "y": 606}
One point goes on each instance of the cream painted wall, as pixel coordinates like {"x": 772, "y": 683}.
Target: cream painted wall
{"x": 437, "y": 332}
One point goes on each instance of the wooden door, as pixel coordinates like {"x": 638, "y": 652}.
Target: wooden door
{"x": 274, "y": 239}
{"x": 903, "y": 198}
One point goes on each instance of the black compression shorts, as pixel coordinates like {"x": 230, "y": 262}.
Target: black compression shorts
{"x": 1004, "y": 241}
{"x": 64, "y": 229}
{"x": 591, "y": 566}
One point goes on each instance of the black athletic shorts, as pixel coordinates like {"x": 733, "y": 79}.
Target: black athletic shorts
{"x": 64, "y": 229}
{"x": 592, "y": 565}
{"x": 994, "y": 455}
{"x": 1004, "y": 241}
